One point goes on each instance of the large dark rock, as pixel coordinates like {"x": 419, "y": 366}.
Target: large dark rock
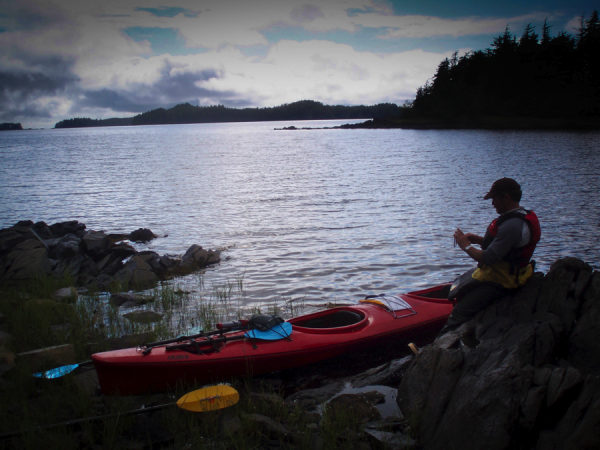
{"x": 141, "y": 235}
{"x": 522, "y": 373}
{"x": 72, "y": 227}
{"x": 197, "y": 257}
{"x": 29, "y": 251}
{"x": 27, "y": 260}
{"x": 64, "y": 247}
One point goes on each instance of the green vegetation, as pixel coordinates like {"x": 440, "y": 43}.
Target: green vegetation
{"x": 530, "y": 77}
{"x": 302, "y": 110}
{"x": 186, "y": 113}
{"x": 81, "y": 122}
{"x": 10, "y": 126}
{"x": 91, "y": 324}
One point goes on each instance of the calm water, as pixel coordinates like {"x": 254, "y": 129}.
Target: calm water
{"x": 323, "y": 214}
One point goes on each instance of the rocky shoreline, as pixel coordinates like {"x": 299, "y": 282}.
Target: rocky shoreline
{"x": 524, "y": 373}
{"x": 466, "y": 123}
{"x": 92, "y": 258}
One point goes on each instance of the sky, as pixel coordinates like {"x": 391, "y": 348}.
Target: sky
{"x": 118, "y": 58}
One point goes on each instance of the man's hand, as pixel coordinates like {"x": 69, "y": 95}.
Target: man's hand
{"x": 474, "y": 239}
{"x": 461, "y": 238}
{"x": 464, "y": 240}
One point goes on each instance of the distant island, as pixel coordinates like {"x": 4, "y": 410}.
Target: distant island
{"x": 531, "y": 82}
{"x": 186, "y": 113}
{"x": 10, "y": 126}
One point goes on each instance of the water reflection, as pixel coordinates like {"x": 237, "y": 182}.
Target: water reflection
{"x": 323, "y": 214}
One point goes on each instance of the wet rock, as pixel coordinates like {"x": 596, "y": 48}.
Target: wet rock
{"x": 130, "y": 299}
{"x": 310, "y": 399}
{"x": 9, "y": 239}
{"x": 110, "y": 264}
{"x": 65, "y": 247}
{"x": 42, "y": 231}
{"x": 197, "y": 257}
{"x": 358, "y": 406}
{"x": 389, "y": 374}
{"x": 27, "y": 261}
{"x": 136, "y": 274}
{"x": 71, "y": 227}
{"x": 578, "y": 428}
{"x": 391, "y": 441}
{"x": 584, "y": 342}
{"x": 95, "y": 242}
{"x": 141, "y": 235}
{"x": 529, "y": 363}
{"x": 143, "y": 316}
{"x": 28, "y": 251}
{"x": 67, "y": 294}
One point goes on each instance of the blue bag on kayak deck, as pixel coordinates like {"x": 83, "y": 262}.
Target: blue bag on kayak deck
{"x": 264, "y": 323}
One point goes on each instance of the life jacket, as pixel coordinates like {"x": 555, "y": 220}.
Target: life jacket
{"x": 517, "y": 257}
{"x": 515, "y": 267}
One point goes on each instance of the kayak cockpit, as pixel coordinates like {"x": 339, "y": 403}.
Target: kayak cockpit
{"x": 330, "y": 319}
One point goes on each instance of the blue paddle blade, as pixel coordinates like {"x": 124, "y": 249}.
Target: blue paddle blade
{"x": 58, "y": 372}
{"x": 279, "y": 331}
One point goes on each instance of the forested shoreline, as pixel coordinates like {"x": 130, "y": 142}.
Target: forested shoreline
{"x": 531, "y": 82}
{"x": 547, "y": 77}
{"x": 186, "y": 113}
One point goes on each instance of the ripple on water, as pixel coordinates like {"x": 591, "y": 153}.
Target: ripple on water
{"x": 317, "y": 214}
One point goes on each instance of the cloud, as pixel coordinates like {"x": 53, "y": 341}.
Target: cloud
{"x": 306, "y": 13}
{"x": 124, "y": 57}
{"x": 27, "y": 92}
{"x": 413, "y": 26}
{"x": 174, "y": 85}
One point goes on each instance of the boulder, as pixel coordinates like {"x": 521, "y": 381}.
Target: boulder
{"x": 310, "y": 399}
{"x": 27, "y": 261}
{"x": 129, "y": 299}
{"x": 143, "y": 316}
{"x": 136, "y": 274}
{"x": 64, "y": 247}
{"x": 516, "y": 375}
{"x": 95, "y": 242}
{"x": 67, "y": 294}
{"x": 9, "y": 239}
{"x": 29, "y": 251}
{"x": 141, "y": 235}
{"x": 356, "y": 406}
{"x": 197, "y": 257}
{"x": 42, "y": 231}
{"x": 71, "y": 227}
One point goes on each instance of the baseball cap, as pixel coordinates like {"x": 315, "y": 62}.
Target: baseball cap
{"x": 502, "y": 186}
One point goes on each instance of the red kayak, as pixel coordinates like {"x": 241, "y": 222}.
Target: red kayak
{"x": 311, "y": 338}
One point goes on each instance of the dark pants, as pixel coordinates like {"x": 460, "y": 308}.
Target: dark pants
{"x": 467, "y": 306}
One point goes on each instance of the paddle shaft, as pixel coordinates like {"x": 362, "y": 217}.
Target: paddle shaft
{"x": 186, "y": 338}
{"x": 205, "y": 342}
{"x": 70, "y": 423}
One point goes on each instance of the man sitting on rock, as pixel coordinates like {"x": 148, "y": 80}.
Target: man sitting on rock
{"x": 504, "y": 261}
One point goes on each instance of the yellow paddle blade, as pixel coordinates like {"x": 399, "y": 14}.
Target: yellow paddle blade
{"x": 209, "y": 398}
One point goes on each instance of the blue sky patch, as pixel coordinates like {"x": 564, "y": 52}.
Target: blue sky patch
{"x": 162, "y": 40}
